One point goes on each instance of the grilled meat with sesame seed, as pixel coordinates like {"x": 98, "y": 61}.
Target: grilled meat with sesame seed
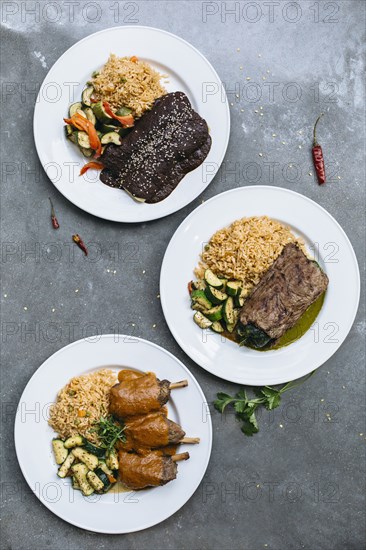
{"x": 165, "y": 144}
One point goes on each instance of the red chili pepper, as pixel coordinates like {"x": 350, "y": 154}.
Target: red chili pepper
{"x": 318, "y": 155}
{"x": 77, "y": 239}
{"x": 126, "y": 121}
{"x": 54, "y": 220}
{"x": 91, "y": 165}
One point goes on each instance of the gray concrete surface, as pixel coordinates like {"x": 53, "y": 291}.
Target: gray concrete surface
{"x": 308, "y": 469}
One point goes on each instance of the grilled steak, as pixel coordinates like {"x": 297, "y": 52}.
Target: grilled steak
{"x": 283, "y": 294}
{"x": 166, "y": 143}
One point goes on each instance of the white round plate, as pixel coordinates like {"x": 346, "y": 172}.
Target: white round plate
{"x": 113, "y": 512}
{"x": 188, "y": 71}
{"x": 333, "y": 251}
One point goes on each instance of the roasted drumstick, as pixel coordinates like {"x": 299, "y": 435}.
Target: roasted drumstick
{"x": 154, "y": 430}
{"x": 140, "y": 395}
{"x": 150, "y": 470}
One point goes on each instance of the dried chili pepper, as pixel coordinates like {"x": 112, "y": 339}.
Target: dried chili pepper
{"x": 79, "y": 241}
{"x": 318, "y": 155}
{"x": 54, "y": 220}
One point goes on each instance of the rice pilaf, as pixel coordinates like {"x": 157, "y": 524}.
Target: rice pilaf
{"x": 246, "y": 249}
{"x": 81, "y": 403}
{"x": 132, "y": 84}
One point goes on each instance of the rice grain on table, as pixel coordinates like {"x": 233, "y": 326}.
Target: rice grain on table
{"x": 246, "y": 249}
{"x": 81, "y": 403}
{"x": 125, "y": 83}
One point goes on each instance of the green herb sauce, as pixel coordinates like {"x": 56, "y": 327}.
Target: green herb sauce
{"x": 292, "y": 334}
{"x": 302, "y": 325}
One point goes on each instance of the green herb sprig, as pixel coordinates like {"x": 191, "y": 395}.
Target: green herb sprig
{"x": 245, "y": 408}
{"x": 109, "y": 432}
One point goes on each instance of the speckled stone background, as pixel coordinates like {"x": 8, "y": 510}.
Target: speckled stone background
{"x": 299, "y": 482}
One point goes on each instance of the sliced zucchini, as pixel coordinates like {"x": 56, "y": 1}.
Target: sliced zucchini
{"x": 199, "y": 297}
{"x": 201, "y": 320}
{"x": 97, "y": 451}
{"x": 224, "y": 282}
{"x": 214, "y": 295}
{"x": 199, "y": 307}
{"x": 212, "y": 280}
{"x": 217, "y": 327}
{"x": 86, "y": 152}
{"x": 228, "y": 311}
{"x": 75, "y": 484}
{"x": 233, "y": 288}
{"x": 83, "y": 140}
{"x": 63, "y": 471}
{"x": 74, "y": 441}
{"x": 103, "y": 466}
{"x": 59, "y": 451}
{"x": 111, "y": 137}
{"x": 231, "y": 326}
{"x": 106, "y": 128}
{"x": 74, "y": 107}
{"x": 214, "y": 314}
{"x": 107, "y": 484}
{"x": 101, "y": 113}
{"x": 81, "y": 113}
{"x": 68, "y": 131}
{"x": 80, "y": 472}
{"x": 124, "y": 111}
{"x": 95, "y": 73}
{"x": 90, "y": 460}
{"x": 199, "y": 285}
{"x": 94, "y": 481}
{"x": 86, "y": 95}
{"x": 239, "y": 299}
{"x": 112, "y": 460}
{"x": 90, "y": 115}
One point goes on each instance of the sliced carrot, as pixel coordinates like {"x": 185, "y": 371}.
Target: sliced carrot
{"x": 81, "y": 413}
{"x": 134, "y": 59}
{"x": 111, "y": 478}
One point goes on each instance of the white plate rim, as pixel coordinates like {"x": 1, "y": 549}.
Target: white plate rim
{"x": 164, "y": 211}
{"x": 170, "y": 322}
{"x": 185, "y": 370}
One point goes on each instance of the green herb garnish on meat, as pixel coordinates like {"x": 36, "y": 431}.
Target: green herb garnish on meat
{"x": 245, "y": 407}
{"x": 109, "y": 432}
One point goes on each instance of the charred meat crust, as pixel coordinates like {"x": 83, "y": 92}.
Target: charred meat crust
{"x": 169, "y": 470}
{"x": 166, "y": 143}
{"x": 284, "y": 293}
{"x": 175, "y": 432}
{"x": 164, "y": 392}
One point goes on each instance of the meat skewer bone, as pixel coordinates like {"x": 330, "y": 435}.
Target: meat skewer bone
{"x": 180, "y": 456}
{"x": 140, "y": 395}
{"x": 151, "y": 470}
{"x": 181, "y": 384}
{"x": 153, "y": 430}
